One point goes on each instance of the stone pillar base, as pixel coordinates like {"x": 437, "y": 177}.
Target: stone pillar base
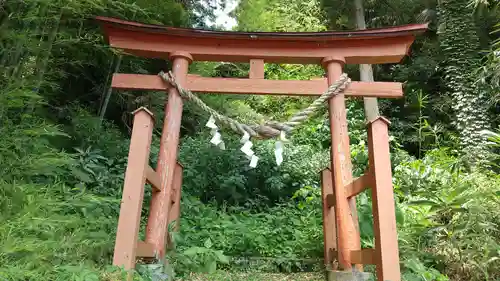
{"x": 348, "y": 276}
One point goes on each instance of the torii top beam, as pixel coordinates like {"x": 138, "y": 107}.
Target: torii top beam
{"x": 371, "y": 46}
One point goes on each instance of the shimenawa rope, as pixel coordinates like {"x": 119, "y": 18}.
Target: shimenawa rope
{"x": 270, "y": 129}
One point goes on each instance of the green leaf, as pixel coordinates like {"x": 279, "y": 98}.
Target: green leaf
{"x": 193, "y": 251}
{"x": 422, "y": 203}
{"x": 400, "y": 216}
{"x": 211, "y": 266}
{"x": 208, "y": 243}
{"x": 221, "y": 257}
{"x": 81, "y": 175}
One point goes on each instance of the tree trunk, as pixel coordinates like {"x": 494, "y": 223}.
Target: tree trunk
{"x": 104, "y": 107}
{"x": 460, "y": 44}
{"x": 365, "y": 70}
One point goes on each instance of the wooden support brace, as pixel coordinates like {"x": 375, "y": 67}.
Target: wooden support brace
{"x": 363, "y": 256}
{"x": 354, "y": 188}
{"x": 384, "y": 213}
{"x": 153, "y": 178}
{"x": 145, "y": 250}
{"x": 330, "y": 200}
{"x": 358, "y": 185}
{"x": 133, "y": 190}
{"x": 329, "y": 224}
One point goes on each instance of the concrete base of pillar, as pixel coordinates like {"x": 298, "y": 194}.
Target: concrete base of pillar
{"x": 348, "y": 276}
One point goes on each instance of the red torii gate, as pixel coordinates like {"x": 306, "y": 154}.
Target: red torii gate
{"x": 330, "y": 49}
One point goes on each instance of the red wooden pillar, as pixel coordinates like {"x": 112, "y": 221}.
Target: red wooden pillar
{"x": 329, "y": 229}
{"x": 348, "y": 237}
{"x": 384, "y": 213}
{"x": 156, "y": 230}
{"x": 133, "y": 190}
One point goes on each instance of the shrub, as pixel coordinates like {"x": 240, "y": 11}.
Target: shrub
{"x": 225, "y": 175}
{"x": 447, "y": 212}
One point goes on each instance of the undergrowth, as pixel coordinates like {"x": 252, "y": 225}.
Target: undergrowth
{"x": 58, "y": 224}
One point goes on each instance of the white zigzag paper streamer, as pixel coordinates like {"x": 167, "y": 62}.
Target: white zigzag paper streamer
{"x": 253, "y": 161}
{"x": 216, "y": 136}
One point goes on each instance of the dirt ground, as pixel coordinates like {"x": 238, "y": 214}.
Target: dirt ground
{"x": 228, "y": 276}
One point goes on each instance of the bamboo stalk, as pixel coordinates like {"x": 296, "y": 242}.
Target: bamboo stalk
{"x": 110, "y": 90}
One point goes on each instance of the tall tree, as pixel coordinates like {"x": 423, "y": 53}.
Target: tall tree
{"x": 489, "y": 73}
{"x": 460, "y": 43}
{"x": 365, "y": 70}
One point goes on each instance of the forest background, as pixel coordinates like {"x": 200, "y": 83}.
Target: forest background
{"x": 65, "y": 136}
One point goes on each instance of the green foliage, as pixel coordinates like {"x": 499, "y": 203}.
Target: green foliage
{"x": 442, "y": 212}
{"x": 488, "y": 74}
{"x": 450, "y": 210}
{"x": 224, "y": 175}
{"x": 48, "y": 227}
{"x": 417, "y": 271}
{"x": 62, "y": 167}
{"x": 201, "y": 259}
{"x": 87, "y": 130}
{"x": 59, "y": 204}
{"x": 285, "y": 231}
{"x": 272, "y": 15}
{"x": 341, "y": 13}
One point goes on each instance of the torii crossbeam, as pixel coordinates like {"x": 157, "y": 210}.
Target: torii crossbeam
{"x": 330, "y": 49}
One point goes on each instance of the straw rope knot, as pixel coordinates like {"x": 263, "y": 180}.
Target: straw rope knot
{"x": 270, "y": 129}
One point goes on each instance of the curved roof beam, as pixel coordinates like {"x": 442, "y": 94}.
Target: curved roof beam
{"x": 370, "y": 46}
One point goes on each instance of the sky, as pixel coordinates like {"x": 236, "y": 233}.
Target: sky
{"x": 222, "y": 15}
